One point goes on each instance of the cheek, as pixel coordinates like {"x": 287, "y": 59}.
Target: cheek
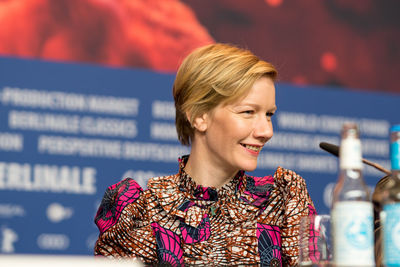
{"x": 237, "y": 129}
{"x": 223, "y": 132}
{"x": 228, "y": 128}
{"x": 234, "y": 125}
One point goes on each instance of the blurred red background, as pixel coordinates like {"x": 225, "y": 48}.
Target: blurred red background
{"x": 352, "y": 44}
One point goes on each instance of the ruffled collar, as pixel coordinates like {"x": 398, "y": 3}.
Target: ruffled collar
{"x": 195, "y": 192}
{"x": 180, "y": 196}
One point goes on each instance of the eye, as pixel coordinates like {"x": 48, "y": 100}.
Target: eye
{"x": 248, "y": 111}
{"x": 270, "y": 114}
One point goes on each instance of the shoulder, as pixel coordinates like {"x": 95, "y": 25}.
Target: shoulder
{"x": 285, "y": 177}
{"x": 165, "y": 188}
{"x": 162, "y": 182}
{"x": 284, "y": 182}
{"x": 281, "y": 178}
{"x": 115, "y": 199}
{"x": 283, "y": 173}
{"x": 294, "y": 189}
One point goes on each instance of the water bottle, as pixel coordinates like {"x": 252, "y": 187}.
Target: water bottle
{"x": 390, "y": 215}
{"x": 352, "y": 209}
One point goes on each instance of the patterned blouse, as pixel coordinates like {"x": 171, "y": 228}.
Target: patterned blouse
{"x": 249, "y": 221}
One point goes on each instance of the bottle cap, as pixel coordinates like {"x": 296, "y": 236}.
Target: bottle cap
{"x": 395, "y": 147}
{"x": 350, "y": 154}
{"x": 350, "y": 147}
{"x": 395, "y": 128}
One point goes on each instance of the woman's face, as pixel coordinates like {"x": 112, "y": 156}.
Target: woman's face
{"x": 236, "y": 132}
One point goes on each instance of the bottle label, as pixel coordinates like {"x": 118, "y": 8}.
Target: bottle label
{"x": 350, "y": 154}
{"x": 391, "y": 234}
{"x": 395, "y": 155}
{"x": 353, "y": 233}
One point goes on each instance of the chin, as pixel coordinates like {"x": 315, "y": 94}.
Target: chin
{"x": 249, "y": 167}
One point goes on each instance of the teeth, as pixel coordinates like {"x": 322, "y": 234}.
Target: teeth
{"x": 254, "y": 148}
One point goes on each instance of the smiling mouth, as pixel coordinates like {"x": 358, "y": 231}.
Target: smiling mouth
{"x": 253, "y": 148}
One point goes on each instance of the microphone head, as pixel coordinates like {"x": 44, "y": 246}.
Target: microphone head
{"x": 333, "y": 149}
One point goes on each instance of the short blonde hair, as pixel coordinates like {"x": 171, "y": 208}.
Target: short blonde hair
{"x": 211, "y": 75}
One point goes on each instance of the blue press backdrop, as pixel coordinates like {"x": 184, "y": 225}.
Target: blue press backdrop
{"x": 68, "y": 131}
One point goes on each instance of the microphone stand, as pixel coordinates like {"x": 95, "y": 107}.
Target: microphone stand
{"x": 334, "y": 150}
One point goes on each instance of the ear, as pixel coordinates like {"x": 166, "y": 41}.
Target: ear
{"x": 200, "y": 123}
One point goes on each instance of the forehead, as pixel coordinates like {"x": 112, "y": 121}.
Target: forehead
{"x": 262, "y": 91}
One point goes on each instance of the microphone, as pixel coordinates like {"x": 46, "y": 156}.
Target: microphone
{"x": 334, "y": 150}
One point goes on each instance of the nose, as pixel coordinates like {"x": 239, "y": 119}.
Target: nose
{"x": 263, "y": 129}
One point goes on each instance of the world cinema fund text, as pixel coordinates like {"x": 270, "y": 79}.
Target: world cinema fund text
{"x": 47, "y": 178}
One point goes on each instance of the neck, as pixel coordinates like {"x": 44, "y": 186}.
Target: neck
{"x": 205, "y": 171}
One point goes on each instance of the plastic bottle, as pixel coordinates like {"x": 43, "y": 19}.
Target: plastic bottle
{"x": 390, "y": 216}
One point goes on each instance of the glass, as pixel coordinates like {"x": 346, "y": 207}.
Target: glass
{"x": 315, "y": 241}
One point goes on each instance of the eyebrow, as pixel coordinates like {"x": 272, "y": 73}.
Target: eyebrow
{"x": 274, "y": 108}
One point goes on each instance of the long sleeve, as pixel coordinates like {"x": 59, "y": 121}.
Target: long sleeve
{"x": 255, "y": 220}
{"x": 120, "y": 219}
{"x": 297, "y": 203}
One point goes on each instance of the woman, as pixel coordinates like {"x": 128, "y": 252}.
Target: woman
{"x": 212, "y": 212}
